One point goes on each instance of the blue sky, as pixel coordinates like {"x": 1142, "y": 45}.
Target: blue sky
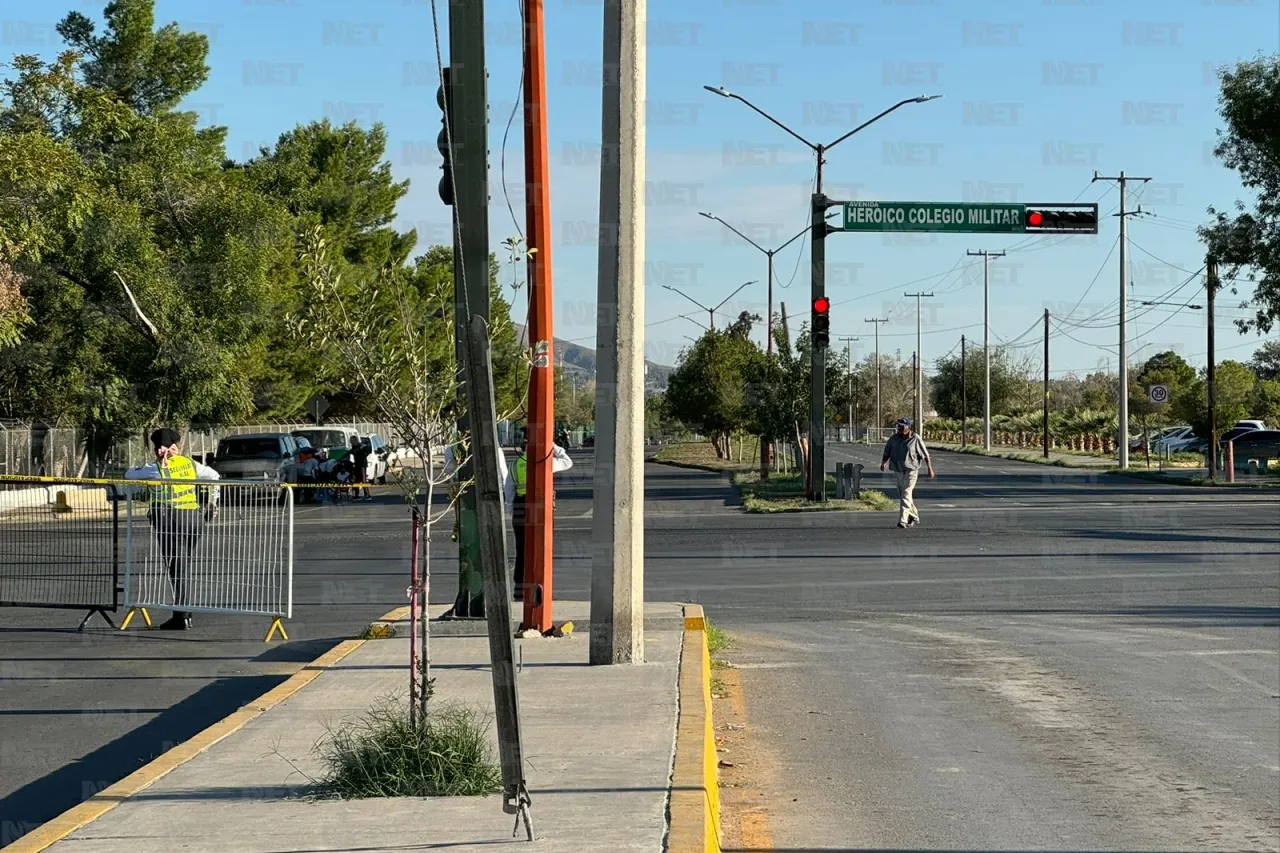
{"x": 1036, "y": 96}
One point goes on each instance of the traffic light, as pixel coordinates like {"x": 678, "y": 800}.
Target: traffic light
{"x": 821, "y": 322}
{"x": 444, "y": 97}
{"x": 1062, "y": 220}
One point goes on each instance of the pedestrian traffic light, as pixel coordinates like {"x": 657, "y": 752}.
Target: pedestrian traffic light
{"x": 821, "y": 322}
{"x": 444, "y": 97}
{"x": 1062, "y": 219}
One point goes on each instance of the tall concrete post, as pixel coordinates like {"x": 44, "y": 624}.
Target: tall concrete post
{"x": 617, "y": 566}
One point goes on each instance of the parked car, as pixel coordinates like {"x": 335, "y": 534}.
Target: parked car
{"x": 1252, "y": 424}
{"x": 1137, "y": 443}
{"x": 1235, "y": 433}
{"x": 336, "y": 441}
{"x": 328, "y": 437}
{"x": 271, "y": 456}
{"x": 1173, "y": 440}
{"x": 1259, "y": 443}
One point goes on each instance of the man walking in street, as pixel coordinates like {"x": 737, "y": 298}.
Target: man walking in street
{"x": 903, "y": 453}
{"x": 175, "y": 513}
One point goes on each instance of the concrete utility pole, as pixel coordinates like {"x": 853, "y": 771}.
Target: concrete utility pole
{"x": 539, "y": 533}
{"x": 1122, "y": 439}
{"x": 848, "y": 357}
{"x": 879, "y": 417}
{"x": 919, "y": 377}
{"x": 617, "y": 567}
{"x": 986, "y": 343}
{"x": 1211, "y": 290}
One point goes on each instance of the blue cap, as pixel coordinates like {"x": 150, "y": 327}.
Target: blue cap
{"x": 904, "y": 422}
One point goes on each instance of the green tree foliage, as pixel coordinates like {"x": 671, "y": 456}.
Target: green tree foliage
{"x": 1266, "y": 361}
{"x": 152, "y": 279}
{"x": 946, "y": 387}
{"x": 1265, "y": 402}
{"x": 1165, "y": 368}
{"x": 707, "y": 392}
{"x": 1249, "y": 103}
{"x": 1233, "y": 393}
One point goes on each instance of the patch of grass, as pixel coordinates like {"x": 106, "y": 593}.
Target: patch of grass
{"x": 385, "y": 754}
{"x": 718, "y": 687}
{"x": 717, "y": 640}
{"x": 785, "y": 493}
{"x": 378, "y": 631}
{"x": 702, "y": 454}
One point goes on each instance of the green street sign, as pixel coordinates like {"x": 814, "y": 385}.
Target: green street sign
{"x": 946, "y": 216}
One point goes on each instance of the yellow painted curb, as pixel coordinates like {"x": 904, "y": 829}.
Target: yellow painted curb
{"x": 99, "y": 804}
{"x": 695, "y": 786}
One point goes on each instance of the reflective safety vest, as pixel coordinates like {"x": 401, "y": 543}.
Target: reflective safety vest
{"x": 521, "y": 473}
{"x": 177, "y": 497}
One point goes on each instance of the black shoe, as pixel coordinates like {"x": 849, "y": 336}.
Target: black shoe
{"x": 913, "y": 521}
{"x": 901, "y": 526}
{"x": 177, "y": 622}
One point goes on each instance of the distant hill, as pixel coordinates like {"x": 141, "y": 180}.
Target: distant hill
{"x": 581, "y": 360}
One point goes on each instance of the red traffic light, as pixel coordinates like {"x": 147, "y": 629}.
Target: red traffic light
{"x": 822, "y": 305}
{"x": 1035, "y": 219}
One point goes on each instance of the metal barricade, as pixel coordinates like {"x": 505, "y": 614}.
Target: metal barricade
{"x": 60, "y": 545}
{"x": 233, "y": 554}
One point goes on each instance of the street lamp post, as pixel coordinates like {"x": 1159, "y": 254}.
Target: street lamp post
{"x": 710, "y": 311}
{"x": 769, "y": 253}
{"x": 818, "y": 288}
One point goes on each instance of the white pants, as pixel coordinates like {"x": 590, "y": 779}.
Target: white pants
{"x": 906, "y": 487}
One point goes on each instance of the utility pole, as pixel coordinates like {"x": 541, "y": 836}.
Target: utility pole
{"x": 964, "y": 400}
{"x": 818, "y": 354}
{"x": 1046, "y": 383}
{"x": 879, "y": 417}
{"x": 617, "y": 567}
{"x": 1211, "y": 291}
{"x": 539, "y": 532}
{"x": 919, "y": 372}
{"x": 1123, "y": 439}
{"x": 986, "y": 343}
{"x": 848, "y": 357}
{"x": 467, "y": 138}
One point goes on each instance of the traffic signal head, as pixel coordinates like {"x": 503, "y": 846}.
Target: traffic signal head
{"x": 444, "y": 98}
{"x": 821, "y": 322}
{"x": 1062, "y": 220}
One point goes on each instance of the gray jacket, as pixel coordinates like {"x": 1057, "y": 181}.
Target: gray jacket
{"x": 905, "y": 454}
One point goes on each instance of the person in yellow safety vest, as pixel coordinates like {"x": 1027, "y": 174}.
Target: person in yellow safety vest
{"x": 514, "y": 491}
{"x": 175, "y": 512}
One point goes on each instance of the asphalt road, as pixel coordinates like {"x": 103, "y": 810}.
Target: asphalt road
{"x": 938, "y": 647}
{"x": 1053, "y": 660}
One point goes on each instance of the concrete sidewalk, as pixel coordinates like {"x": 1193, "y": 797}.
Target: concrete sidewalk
{"x": 599, "y": 745}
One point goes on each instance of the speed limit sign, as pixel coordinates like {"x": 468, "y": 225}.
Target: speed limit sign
{"x": 1158, "y": 393}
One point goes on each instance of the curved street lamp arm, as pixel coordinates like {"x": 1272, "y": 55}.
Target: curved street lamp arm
{"x": 806, "y": 230}
{"x": 917, "y": 100}
{"x": 735, "y": 231}
{"x": 686, "y": 296}
{"x": 731, "y": 295}
{"x": 726, "y": 94}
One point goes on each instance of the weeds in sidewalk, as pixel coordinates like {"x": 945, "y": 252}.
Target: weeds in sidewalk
{"x": 385, "y": 754}
{"x": 378, "y": 631}
{"x": 717, "y": 640}
{"x": 718, "y": 687}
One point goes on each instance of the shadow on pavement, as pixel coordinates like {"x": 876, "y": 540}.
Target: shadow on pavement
{"x": 51, "y": 795}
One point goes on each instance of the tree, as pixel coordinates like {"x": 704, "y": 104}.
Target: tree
{"x": 1233, "y": 389}
{"x": 1165, "y": 368}
{"x": 946, "y": 389}
{"x": 14, "y": 310}
{"x": 1266, "y": 361}
{"x": 1265, "y": 402}
{"x": 707, "y": 391}
{"x": 1249, "y": 103}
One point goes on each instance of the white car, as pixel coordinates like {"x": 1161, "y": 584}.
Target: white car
{"x": 1174, "y": 440}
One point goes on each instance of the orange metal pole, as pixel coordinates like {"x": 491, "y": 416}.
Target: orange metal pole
{"x": 539, "y": 531}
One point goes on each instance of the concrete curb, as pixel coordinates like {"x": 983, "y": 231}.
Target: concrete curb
{"x": 695, "y": 788}
{"x": 99, "y": 804}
